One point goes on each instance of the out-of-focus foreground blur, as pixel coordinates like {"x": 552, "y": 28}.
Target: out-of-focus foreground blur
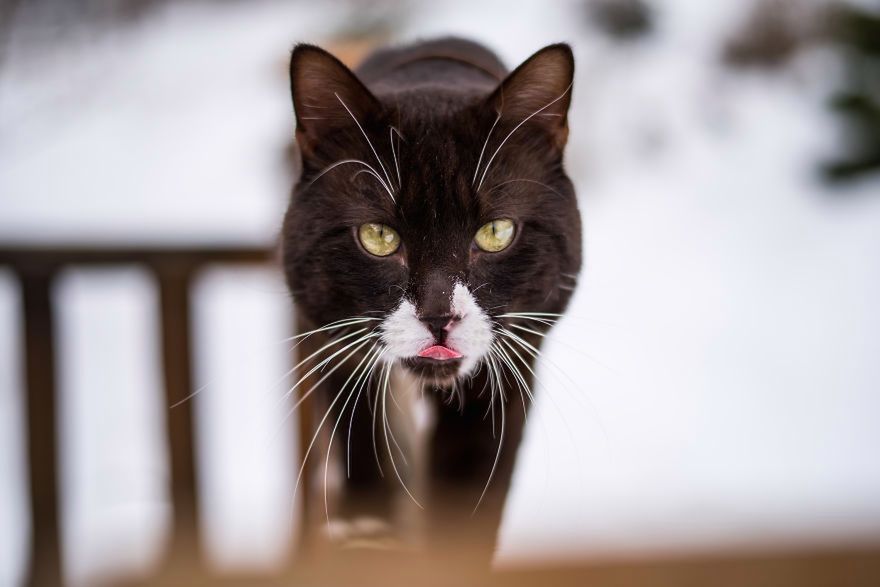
{"x": 713, "y": 392}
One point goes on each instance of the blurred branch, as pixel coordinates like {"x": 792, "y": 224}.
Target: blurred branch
{"x": 774, "y": 32}
{"x": 622, "y": 20}
{"x": 855, "y": 33}
{"x": 777, "y": 30}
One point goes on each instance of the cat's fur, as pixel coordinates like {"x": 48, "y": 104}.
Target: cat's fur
{"x": 433, "y": 139}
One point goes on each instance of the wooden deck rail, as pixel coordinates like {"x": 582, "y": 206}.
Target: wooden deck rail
{"x": 174, "y": 269}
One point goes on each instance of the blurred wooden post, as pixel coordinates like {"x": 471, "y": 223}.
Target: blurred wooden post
{"x": 307, "y": 418}
{"x": 39, "y": 358}
{"x": 305, "y": 429}
{"x": 174, "y": 281}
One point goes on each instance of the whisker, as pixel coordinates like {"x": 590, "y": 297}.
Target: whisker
{"x": 311, "y": 390}
{"x": 323, "y": 362}
{"x": 189, "y": 397}
{"x": 497, "y": 456}
{"x": 371, "y": 173}
{"x": 564, "y": 343}
{"x": 529, "y": 348}
{"x": 326, "y": 346}
{"x": 368, "y": 141}
{"x": 526, "y": 119}
{"x": 336, "y": 425}
{"x": 544, "y": 185}
{"x": 390, "y": 453}
{"x": 522, "y": 398}
{"x": 524, "y": 389}
{"x": 333, "y": 166}
{"x": 552, "y": 402}
{"x": 391, "y": 130}
{"x": 548, "y": 314}
{"x": 385, "y": 367}
{"x": 320, "y": 424}
{"x": 483, "y": 150}
{"x": 388, "y": 429}
{"x": 332, "y": 326}
{"x": 365, "y": 383}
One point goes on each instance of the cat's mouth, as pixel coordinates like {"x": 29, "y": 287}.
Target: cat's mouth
{"x": 437, "y": 363}
{"x": 439, "y": 352}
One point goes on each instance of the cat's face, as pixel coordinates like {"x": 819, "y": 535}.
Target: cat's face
{"x": 434, "y": 212}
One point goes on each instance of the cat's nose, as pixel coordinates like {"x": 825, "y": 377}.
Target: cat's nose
{"x": 439, "y": 325}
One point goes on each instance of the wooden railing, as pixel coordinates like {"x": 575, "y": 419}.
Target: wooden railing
{"x": 174, "y": 270}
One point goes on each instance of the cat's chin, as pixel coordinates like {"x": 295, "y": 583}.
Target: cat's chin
{"x": 432, "y": 371}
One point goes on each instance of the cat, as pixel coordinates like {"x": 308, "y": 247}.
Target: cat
{"x": 431, "y": 241}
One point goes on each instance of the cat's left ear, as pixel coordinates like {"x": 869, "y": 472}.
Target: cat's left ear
{"x": 327, "y": 96}
{"x": 539, "y": 90}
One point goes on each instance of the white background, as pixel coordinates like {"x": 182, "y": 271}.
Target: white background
{"x": 716, "y": 383}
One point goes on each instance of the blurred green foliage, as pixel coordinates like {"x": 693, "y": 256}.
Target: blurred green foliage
{"x": 856, "y": 32}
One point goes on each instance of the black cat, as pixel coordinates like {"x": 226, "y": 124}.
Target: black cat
{"x": 432, "y": 239}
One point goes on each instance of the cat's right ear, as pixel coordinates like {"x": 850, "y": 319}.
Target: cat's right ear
{"x": 326, "y": 95}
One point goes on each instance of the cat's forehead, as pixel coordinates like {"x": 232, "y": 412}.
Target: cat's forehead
{"x": 432, "y": 145}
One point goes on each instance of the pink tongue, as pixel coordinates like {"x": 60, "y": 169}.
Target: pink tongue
{"x": 439, "y": 352}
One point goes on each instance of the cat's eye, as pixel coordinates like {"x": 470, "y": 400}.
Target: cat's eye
{"x": 495, "y": 236}
{"x": 379, "y": 239}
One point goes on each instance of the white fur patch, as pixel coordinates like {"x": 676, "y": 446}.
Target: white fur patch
{"x": 404, "y": 335}
{"x": 472, "y": 334}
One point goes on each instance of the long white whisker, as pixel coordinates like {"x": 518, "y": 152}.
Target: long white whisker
{"x": 549, "y": 397}
{"x": 564, "y": 343}
{"x": 331, "y": 326}
{"x": 390, "y": 452}
{"x": 388, "y": 427}
{"x": 372, "y": 173}
{"x": 320, "y": 425}
{"x": 483, "y": 150}
{"x": 365, "y": 383}
{"x": 311, "y": 390}
{"x": 336, "y": 425}
{"x": 497, "y": 457}
{"x": 521, "y": 383}
{"x": 534, "y": 352}
{"x": 544, "y": 185}
{"x": 330, "y": 168}
{"x": 316, "y": 367}
{"x": 332, "y": 343}
{"x": 385, "y": 367}
{"x": 391, "y": 130}
{"x": 323, "y": 362}
{"x": 525, "y": 120}
{"x": 524, "y": 389}
{"x": 368, "y": 141}
{"x": 517, "y": 375}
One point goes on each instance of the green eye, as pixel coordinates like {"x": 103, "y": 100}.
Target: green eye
{"x": 379, "y": 239}
{"x": 495, "y": 236}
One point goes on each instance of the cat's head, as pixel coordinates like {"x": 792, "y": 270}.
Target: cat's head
{"x": 434, "y": 209}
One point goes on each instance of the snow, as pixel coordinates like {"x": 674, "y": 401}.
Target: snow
{"x": 720, "y": 384}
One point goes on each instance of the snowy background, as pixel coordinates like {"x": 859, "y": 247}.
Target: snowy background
{"x": 716, "y": 384}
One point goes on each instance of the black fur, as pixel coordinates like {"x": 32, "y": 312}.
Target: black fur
{"x": 443, "y": 97}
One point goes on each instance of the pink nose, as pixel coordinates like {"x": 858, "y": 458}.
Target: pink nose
{"x": 440, "y": 353}
{"x": 438, "y": 325}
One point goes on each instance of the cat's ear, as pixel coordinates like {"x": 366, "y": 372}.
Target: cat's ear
{"x": 539, "y": 90}
{"x": 326, "y": 95}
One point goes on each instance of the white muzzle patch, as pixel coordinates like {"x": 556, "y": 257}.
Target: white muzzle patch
{"x": 404, "y": 335}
